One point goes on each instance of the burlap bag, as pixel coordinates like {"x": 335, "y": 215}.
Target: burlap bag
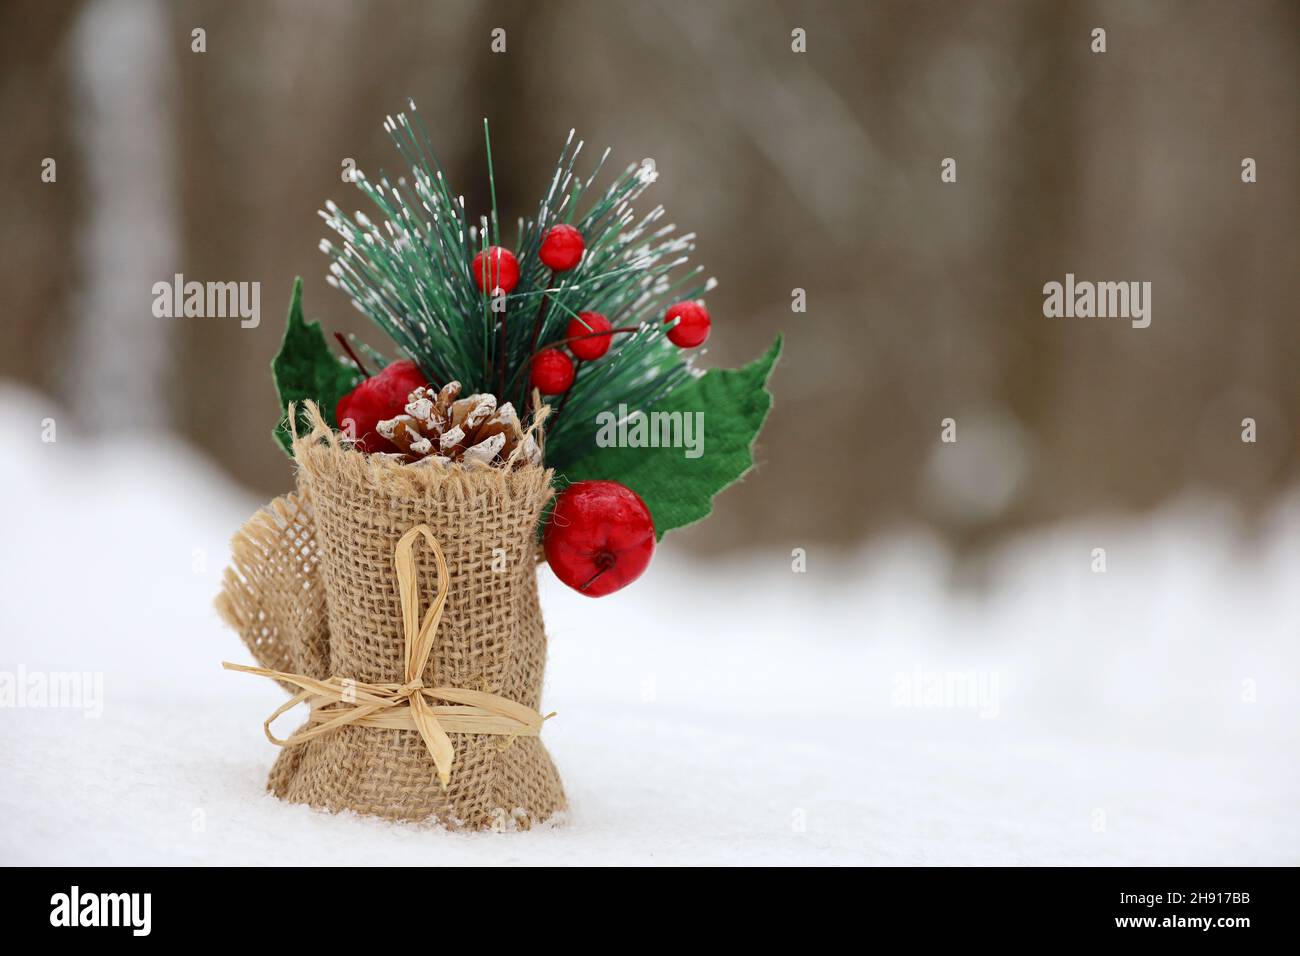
{"x": 311, "y": 590}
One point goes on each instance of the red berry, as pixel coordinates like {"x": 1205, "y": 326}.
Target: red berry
{"x": 588, "y": 323}
{"x": 562, "y": 248}
{"x": 377, "y": 398}
{"x": 600, "y": 537}
{"x": 496, "y": 268}
{"x": 692, "y": 326}
{"x": 552, "y": 372}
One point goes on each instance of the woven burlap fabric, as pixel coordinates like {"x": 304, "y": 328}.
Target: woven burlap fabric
{"x": 335, "y": 591}
{"x": 270, "y": 594}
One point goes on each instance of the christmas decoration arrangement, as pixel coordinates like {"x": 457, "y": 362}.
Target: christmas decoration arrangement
{"x": 531, "y": 407}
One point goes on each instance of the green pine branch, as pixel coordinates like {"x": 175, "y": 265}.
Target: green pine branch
{"x": 407, "y": 267}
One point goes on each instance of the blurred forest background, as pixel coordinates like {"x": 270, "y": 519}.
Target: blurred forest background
{"x": 816, "y": 170}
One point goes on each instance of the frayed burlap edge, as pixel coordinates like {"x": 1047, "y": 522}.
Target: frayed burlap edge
{"x": 316, "y": 451}
{"x": 262, "y": 597}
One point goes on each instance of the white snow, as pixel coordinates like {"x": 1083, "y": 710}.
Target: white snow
{"x": 720, "y": 712}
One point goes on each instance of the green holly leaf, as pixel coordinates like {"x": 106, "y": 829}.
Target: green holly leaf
{"x": 305, "y": 367}
{"x": 678, "y": 489}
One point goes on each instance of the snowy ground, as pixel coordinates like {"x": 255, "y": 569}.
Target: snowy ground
{"x": 711, "y": 714}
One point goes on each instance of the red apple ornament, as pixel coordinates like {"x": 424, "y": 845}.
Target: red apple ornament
{"x": 377, "y": 398}
{"x": 600, "y": 537}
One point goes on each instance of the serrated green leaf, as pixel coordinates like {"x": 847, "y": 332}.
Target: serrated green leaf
{"x": 679, "y": 490}
{"x": 306, "y": 367}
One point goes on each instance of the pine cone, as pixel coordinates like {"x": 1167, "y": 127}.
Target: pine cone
{"x": 438, "y": 428}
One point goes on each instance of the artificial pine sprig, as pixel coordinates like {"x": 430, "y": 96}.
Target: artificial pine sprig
{"x": 588, "y": 280}
{"x": 412, "y": 274}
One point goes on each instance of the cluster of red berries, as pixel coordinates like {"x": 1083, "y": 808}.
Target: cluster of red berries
{"x": 601, "y": 535}
{"x": 588, "y": 336}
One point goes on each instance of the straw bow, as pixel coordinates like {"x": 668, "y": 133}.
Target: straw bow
{"x": 409, "y": 705}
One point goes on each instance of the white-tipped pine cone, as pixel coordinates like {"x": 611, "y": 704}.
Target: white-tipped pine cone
{"x": 439, "y": 428}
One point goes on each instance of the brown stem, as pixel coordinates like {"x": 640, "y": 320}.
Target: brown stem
{"x": 537, "y": 331}
{"x": 541, "y": 318}
{"x": 605, "y": 561}
{"x": 564, "y": 399}
{"x": 351, "y": 354}
{"x": 501, "y": 355}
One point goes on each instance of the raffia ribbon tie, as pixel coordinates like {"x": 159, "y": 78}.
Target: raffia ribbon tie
{"x": 410, "y": 705}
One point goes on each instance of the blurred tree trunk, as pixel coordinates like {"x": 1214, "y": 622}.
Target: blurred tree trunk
{"x": 38, "y": 226}
{"x": 816, "y": 171}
